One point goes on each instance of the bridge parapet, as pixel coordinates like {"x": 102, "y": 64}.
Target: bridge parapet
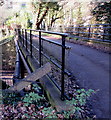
{"x": 36, "y": 45}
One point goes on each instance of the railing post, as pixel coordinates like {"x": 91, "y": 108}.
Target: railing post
{"x": 23, "y": 36}
{"x": 26, "y": 38}
{"x": 89, "y": 31}
{"x": 40, "y": 62}
{"x": 109, "y": 33}
{"x": 31, "y": 43}
{"x": 18, "y": 33}
{"x": 78, "y": 31}
{"x": 63, "y": 67}
{"x": 104, "y": 31}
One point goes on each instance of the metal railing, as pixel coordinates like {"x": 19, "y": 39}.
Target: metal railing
{"x": 94, "y": 32}
{"x": 26, "y": 38}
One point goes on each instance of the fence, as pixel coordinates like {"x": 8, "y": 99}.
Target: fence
{"x": 94, "y": 32}
{"x": 27, "y": 36}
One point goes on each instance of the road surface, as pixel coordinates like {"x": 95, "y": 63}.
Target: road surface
{"x": 91, "y": 68}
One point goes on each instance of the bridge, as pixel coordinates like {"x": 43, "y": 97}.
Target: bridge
{"x": 61, "y": 63}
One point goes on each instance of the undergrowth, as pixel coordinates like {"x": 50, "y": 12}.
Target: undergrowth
{"x": 37, "y": 106}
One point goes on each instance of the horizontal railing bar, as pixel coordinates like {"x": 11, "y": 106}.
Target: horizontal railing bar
{"x": 99, "y": 24}
{"x": 56, "y": 33}
{"x": 100, "y": 40}
{"x": 88, "y": 33}
{"x": 49, "y": 32}
{"x": 51, "y": 41}
{"x": 93, "y": 39}
{"x": 88, "y": 27}
{"x": 94, "y": 25}
{"x": 66, "y": 71}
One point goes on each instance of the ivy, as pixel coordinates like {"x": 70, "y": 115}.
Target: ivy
{"x": 11, "y": 98}
{"x": 78, "y": 102}
{"x": 33, "y": 98}
{"x": 49, "y": 112}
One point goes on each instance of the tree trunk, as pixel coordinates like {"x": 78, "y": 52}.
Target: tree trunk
{"x": 41, "y": 19}
{"x": 38, "y": 15}
{"x": 54, "y": 19}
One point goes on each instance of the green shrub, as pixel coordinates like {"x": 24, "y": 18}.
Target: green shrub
{"x": 10, "y": 98}
{"x": 33, "y": 98}
{"x": 76, "y": 106}
{"x": 77, "y": 103}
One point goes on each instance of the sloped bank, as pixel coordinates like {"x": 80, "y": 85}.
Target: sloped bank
{"x": 8, "y": 55}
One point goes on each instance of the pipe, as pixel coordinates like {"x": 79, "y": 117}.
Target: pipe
{"x": 19, "y": 57}
{"x": 16, "y": 75}
{"x": 23, "y": 58}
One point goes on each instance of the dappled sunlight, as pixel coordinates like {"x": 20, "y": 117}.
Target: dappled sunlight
{"x": 55, "y": 56}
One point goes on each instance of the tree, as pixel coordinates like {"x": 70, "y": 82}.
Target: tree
{"x": 43, "y": 9}
{"x": 102, "y": 12}
{"x": 21, "y": 18}
{"x": 79, "y": 16}
{"x": 55, "y": 14}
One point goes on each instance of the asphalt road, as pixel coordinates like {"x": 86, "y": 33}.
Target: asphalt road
{"x": 91, "y": 69}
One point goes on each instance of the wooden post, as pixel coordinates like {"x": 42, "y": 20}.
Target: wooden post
{"x": 31, "y": 78}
